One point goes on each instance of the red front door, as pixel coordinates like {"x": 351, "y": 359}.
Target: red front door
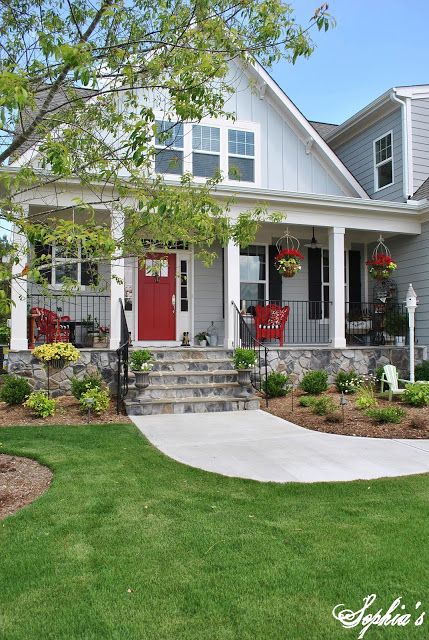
{"x": 157, "y": 297}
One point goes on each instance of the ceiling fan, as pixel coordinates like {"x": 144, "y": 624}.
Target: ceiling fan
{"x": 313, "y": 244}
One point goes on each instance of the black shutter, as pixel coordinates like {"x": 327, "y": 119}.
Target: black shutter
{"x": 315, "y": 284}
{"x": 355, "y": 291}
{"x": 44, "y": 251}
{"x": 274, "y": 278}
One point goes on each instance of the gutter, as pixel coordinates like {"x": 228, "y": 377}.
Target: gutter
{"x": 407, "y": 179}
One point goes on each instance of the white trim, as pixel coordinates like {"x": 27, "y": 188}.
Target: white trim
{"x": 383, "y": 162}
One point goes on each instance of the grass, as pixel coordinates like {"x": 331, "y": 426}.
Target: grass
{"x": 205, "y": 557}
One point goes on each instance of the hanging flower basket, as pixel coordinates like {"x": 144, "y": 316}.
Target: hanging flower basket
{"x": 381, "y": 267}
{"x": 56, "y": 354}
{"x": 288, "y": 262}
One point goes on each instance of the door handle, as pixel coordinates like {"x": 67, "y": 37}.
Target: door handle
{"x": 173, "y": 302}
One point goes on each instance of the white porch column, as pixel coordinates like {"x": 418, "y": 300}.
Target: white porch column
{"x": 231, "y": 289}
{"x": 117, "y": 282}
{"x": 19, "y": 313}
{"x": 336, "y": 285}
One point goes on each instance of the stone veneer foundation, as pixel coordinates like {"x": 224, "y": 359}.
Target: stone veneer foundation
{"x": 291, "y": 360}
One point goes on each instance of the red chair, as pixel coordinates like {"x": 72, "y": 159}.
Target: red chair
{"x": 270, "y": 321}
{"x": 49, "y": 325}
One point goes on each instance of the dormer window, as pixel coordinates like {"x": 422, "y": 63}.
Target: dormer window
{"x": 169, "y": 147}
{"x": 205, "y": 151}
{"x": 383, "y": 161}
{"x": 241, "y": 155}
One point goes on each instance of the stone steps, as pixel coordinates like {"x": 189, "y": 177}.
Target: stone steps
{"x": 190, "y": 381}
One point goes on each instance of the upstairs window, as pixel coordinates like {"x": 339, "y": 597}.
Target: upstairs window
{"x": 169, "y": 147}
{"x": 383, "y": 161}
{"x": 205, "y": 151}
{"x": 241, "y": 155}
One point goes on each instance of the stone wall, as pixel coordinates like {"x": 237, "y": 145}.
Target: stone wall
{"x": 299, "y": 360}
{"x": 91, "y": 361}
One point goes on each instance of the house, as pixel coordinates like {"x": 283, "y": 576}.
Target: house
{"x": 340, "y": 188}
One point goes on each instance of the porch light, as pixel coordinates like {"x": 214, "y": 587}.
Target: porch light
{"x": 313, "y": 244}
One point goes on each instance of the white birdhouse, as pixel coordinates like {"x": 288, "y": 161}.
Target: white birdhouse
{"x": 411, "y": 300}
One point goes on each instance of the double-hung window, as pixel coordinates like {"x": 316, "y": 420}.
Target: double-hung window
{"x": 253, "y": 274}
{"x": 241, "y": 155}
{"x": 59, "y": 264}
{"x": 383, "y": 161}
{"x": 169, "y": 147}
{"x": 205, "y": 151}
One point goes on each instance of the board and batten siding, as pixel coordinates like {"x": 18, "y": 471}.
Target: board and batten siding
{"x": 358, "y": 156}
{"x": 412, "y": 257}
{"x": 208, "y": 295}
{"x": 420, "y": 140}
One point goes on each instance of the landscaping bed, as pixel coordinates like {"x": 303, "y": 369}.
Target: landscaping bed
{"x": 21, "y": 481}
{"x": 68, "y": 412}
{"x": 414, "y": 425}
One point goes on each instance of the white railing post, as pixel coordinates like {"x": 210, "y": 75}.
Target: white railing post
{"x": 231, "y": 289}
{"x": 337, "y": 317}
{"x": 19, "y": 311}
{"x": 117, "y": 284}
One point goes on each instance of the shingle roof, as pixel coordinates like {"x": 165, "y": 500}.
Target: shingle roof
{"x": 323, "y": 128}
{"x": 422, "y": 192}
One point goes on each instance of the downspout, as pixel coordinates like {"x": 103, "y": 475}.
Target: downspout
{"x": 407, "y": 178}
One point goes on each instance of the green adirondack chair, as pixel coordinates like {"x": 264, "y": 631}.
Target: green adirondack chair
{"x": 390, "y": 378}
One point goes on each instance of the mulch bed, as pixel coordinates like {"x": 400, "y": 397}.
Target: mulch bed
{"x": 356, "y": 422}
{"x": 68, "y": 413}
{"x": 21, "y": 481}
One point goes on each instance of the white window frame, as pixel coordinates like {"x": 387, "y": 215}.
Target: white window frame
{"x": 264, "y": 282}
{"x": 238, "y": 155}
{"x": 383, "y": 162}
{"x": 204, "y": 151}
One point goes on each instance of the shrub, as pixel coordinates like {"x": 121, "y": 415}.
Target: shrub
{"x": 276, "y": 385}
{"x": 4, "y": 334}
{"x": 379, "y": 374}
{"x": 141, "y": 360}
{"x": 386, "y": 414}
{"x": 347, "y": 381}
{"x": 417, "y": 394}
{"x": 315, "y": 382}
{"x": 40, "y": 404}
{"x": 322, "y": 406}
{"x": 100, "y": 398}
{"x": 333, "y": 418}
{"x": 14, "y": 390}
{"x": 418, "y": 422}
{"x": 422, "y": 371}
{"x": 80, "y": 385}
{"x": 306, "y": 401}
{"x": 366, "y": 399}
{"x": 244, "y": 358}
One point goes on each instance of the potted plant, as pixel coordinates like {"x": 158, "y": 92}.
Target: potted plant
{"x": 381, "y": 266}
{"x": 141, "y": 363}
{"x": 202, "y": 338}
{"x": 90, "y": 327}
{"x": 396, "y": 326}
{"x": 244, "y": 362}
{"x": 288, "y": 262}
{"x": 102, "y": 337}
{"x": 56, "y": 354}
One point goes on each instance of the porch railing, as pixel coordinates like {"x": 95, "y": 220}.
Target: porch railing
{"x": 243, "y": 337}
{"x": 83, "y": 319}
{"x": 122, "y": 366}
{"x": 376, "y": 323}
{"x": 308, "y": 322}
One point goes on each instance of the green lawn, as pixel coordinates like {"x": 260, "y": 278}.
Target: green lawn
{"x": 206, "y": 557}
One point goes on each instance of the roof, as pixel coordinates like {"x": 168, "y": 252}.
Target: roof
{"x": 324, "y": 129}
{"x": 422, "y": 192}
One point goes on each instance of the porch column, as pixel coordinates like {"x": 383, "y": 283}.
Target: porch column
{"x": 337, "y": 285}
{"x": 19, "y": 312}
{"x": 117, "y": 282}
{"x": 231, "y": 289}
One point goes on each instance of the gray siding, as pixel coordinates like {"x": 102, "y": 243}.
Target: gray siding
{"x": 208, "y": 305}
{"x": 420, "y": 140}
{"x": 358, "y": 156}
{"x": 412, "y": 256}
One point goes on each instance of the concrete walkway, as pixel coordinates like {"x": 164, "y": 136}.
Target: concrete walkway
{"x": 257, "y": 445}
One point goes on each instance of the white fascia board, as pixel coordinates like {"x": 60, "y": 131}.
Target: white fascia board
{"x": 347, "y": 178}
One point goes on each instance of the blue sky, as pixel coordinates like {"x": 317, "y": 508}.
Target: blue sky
{"x": 376, "y": 44}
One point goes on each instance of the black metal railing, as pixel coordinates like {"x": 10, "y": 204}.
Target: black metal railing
{"x": 122, "y": 365}
{"x": 83, "y": 319}
{"x": 376, "y": 323}
{"x": 307, "y": 323}
{"x": 243, "y": 337}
